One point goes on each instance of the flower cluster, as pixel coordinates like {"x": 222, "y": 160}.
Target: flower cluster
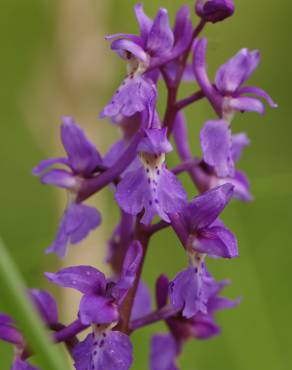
{"x": 150, "y": 196}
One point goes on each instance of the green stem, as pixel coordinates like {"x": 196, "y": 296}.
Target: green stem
{"x": 14, "y": 296}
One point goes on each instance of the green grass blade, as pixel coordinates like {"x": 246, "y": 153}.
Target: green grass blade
{"x": 13, "y": 296}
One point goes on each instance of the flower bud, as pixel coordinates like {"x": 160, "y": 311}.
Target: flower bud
{"x": 214, "y": 10}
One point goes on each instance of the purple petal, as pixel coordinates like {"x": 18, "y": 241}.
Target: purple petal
{"x": 81, "y": 152}
{"x": 20, "y": 364}
{"x": 46, "y": 305}
{"x": 237, "y": 70}
{"x": 43, "y": 165}
{"x": 158, "y": 196}
{"x": 216, "y": 143}
{"x": 239, "y": 142}
{"x": 259, "y": 93}
{"x": 86, "y": 279}
{"x": 136, "y": 94}
{"x": 160, "y": 39}
{"x": 60, "y": 178}
{"x": 128, "y": 36}
{"x": 114, "y": 152}
{"x": 214, "y": 10}
{"x": 204, "y": 209}
{"x": 96, "y": 309}
{"x": 77, "y": 222}
{"x": 215, "y": 241}
{"x": 123, "y": 47}
{"x": 245, "y": 104}
{"x": 145, "y": 23}
{"x": 221, "y": 303}
{"x": 241, "y": 186}
{"x": 201, "y": 75}
{"x": 131, "y": 265}
{"x": 182, "y": 17}
{"x": 8, "y": 333}
{"x": 142, "y": 302}
{"x": 190, "y": 290}
{"x": 110, "y": 350}
{"x": 155, "y": 142}
{"x": 204, "y": 327}
{"x": 162, "y": 284}
{"x": 163, "y": 352}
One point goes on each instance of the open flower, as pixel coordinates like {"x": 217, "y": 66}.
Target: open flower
{"x": 82, "y": 161}
{"x": 99, "y": 306}
{"x": 156, "y": 44}
{"x": 151, "y": 187}
{"x": 228, "y": 95}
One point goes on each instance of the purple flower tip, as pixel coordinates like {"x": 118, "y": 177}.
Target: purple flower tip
{"x": 214, "y": 10}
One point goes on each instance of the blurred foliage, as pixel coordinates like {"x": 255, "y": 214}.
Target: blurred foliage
{"x": 256, "y": 335}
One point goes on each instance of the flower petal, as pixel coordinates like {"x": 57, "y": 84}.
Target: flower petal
{"x": 82, "y": 153}
{"x": 145, "y": 23}
{"x": 204, "y": 209}
{"x": 43, "y": 165}
{"x": 190, "y": 290}
{"x": 204, "y": 327}
{"x": 122, "y": 47}
{"x": 77, "y": 222}
{"x": 259, "y": 93}
{"x": 155, "y": 142}
{"x": 239, "y": 142}
{"x": 86, "y": 279}
{"x": 163, "y": 352}
{"x": 246, "y": 104}
{"x": 8, "y": 333}
{"x": 59, "y": 178}
{"x": 216, "y": 143}
{"x": 110, "y": 350}
{"x": 46, "y": 305}
{"x": 160, "y": 39}
{"x": 215, "y": 241}
{"x": 96, "y": 309}
{"x": 130, "y": 267}
{"x": 142, "y": 302}
{"x": 241, "y": 186}
{"x": 136, "y": 94}
{"x": 237, "y": 70}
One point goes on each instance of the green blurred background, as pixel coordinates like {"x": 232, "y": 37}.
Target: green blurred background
{"x": 55, "y": 62}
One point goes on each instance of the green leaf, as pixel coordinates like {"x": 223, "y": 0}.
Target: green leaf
{"x": 14, "y": 297}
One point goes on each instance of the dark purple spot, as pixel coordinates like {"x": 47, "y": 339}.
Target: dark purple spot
{"x": 101, "y": 343}
{"x": 149, "y": 180}
{"x": 147, "y": 170}
{"x": 156, "y": 167}
{"x": 104, "y": 335}
{"x": 95, "y": 343}
{"x": 150, "y": 202}
{"x": 156, "y": 201}
{"x": 158, "y": 172}
{"x": 94, "y": 353}
{"x": 196, "y": 270}
{"x": 155, "y": 156}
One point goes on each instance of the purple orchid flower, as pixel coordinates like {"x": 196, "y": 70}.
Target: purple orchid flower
{"x": 191, "y": 288}
{"x": 200, "y": 326}
{"x": 214, "y": 10}
{"x": 82, "y": 162}
{"x": 104, "y": 349}
{"x": 151, "y": 187}
{"x": 228, "y": 95}
{"x": 221, "y": 150}
{"x": 208, "y": 235}
{"x": 156, "y": 44}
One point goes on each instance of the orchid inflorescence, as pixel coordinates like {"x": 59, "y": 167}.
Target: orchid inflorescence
{"x": 146, "y": 190}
